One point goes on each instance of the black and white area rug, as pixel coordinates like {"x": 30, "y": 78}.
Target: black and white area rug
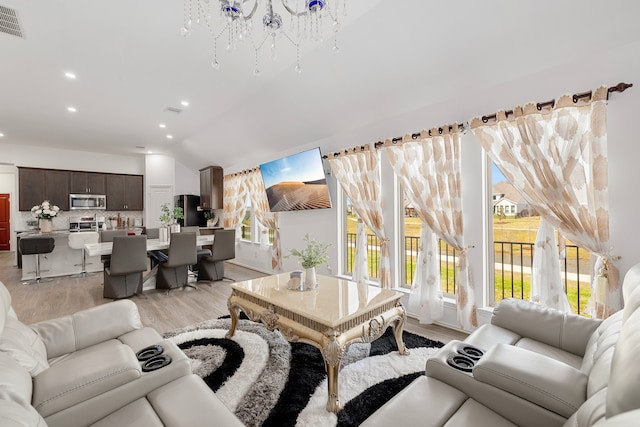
{"x": 267, "y": 381}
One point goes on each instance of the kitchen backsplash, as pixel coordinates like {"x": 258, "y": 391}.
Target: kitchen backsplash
{"x": 61, "y": 222}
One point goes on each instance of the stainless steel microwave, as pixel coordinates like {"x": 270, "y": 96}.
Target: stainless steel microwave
{"x": 87, "y": 201}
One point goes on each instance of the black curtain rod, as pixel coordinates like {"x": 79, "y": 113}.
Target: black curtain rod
{"x": 395, "y": 140}
{"x": 620, "y": 87}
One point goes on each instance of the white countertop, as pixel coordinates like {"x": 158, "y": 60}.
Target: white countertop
{"x": 105, "y": 248}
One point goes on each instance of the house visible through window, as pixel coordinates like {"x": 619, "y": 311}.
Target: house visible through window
{"x": 515, "y": 226}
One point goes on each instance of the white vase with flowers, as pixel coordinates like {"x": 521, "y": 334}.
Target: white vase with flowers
{"x": 44, "y": 213}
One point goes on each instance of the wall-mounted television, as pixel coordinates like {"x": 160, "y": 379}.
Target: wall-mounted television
{"x": 296, "y": 182}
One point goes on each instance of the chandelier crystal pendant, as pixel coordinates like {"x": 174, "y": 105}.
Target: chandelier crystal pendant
{"x": 236, "y": 22}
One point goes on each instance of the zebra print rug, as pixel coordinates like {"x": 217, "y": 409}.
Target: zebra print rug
{"x": 267, "y": 381}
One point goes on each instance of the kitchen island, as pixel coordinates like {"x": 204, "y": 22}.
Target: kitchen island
{"x": 63, "y": 261}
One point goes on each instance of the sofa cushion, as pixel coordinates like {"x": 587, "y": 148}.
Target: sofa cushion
{"x": 425, "y": 402}
{"x": 565, "y": 331}
{"x": 624, "y": 382}
{"x": 536, "y": 378}
{"x": 140, "y": 338}
{"x": 13, "y": 414}
{"x": 550, "y": 351}
{"x": 188, "y": 401}
{"x": 88, "y": 327}
{"x": 24, "y": 346}
{"x": 82, "y": 378}
{"x": 471, "y": 413}
{"x": 138, "y": 413}
{"x": 15, "y": 381}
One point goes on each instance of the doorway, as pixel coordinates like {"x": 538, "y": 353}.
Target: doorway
{"x": 5, "y": 222}
{"x": 157, "y": 195}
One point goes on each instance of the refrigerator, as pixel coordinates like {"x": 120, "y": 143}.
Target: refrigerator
{"x": 192, "y": 215}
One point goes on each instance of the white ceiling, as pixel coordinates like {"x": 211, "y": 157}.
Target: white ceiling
{"x": 396, "y": 57}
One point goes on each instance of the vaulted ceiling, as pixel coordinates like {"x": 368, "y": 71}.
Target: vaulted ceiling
{"x": 395, "y": 57}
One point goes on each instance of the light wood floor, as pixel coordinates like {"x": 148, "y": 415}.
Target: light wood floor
{"x": 181, "y": 307}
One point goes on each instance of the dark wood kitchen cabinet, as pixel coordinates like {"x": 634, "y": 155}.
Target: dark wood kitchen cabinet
{"x": 86, "y": 183}
{"x": 211, "y": 187}
{"x": 56, "y": 188}
{"x": 38, "y": 185}
{"x": 125, "y": 192}
{"x": 31, "y": 188}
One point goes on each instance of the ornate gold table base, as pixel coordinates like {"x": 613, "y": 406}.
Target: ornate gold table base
{"x": 332, "y": 342}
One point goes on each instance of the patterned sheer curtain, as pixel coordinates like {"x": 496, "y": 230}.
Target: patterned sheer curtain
{"x": 557, "y": 159}
{"x": 358, "y": 173}
{"x": 267, "y": 219}
{"x": 429, "y": 170}
{"x": 235, "y": 201}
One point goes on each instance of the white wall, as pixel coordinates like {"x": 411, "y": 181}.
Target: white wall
{"x": 187, "y": 180}
{"x": 53, "y": 158}
{"x": 608, "y": 68}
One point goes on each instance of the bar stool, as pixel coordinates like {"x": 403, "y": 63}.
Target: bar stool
{"x": 36, "y": 246}
{"x": 77, "y": 241}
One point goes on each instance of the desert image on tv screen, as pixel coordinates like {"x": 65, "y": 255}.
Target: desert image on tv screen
{"x": 296, "y": 182}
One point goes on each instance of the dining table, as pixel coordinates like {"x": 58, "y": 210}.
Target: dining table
{"x": 105, "y": 248}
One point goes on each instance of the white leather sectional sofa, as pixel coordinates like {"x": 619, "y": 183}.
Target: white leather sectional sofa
{"x": 82, "y": 370}
{"x": 540, "y": 367}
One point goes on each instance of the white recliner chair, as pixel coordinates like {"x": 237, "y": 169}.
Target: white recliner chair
{"x": 536, "y": 367}
{"x": 85, "y": 370}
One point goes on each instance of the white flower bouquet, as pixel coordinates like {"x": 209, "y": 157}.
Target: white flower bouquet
{"x": 45, "y": 210}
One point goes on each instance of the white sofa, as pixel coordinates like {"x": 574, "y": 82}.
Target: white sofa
{"x": 540, "y": 368}
{"x": 82, "y": 370}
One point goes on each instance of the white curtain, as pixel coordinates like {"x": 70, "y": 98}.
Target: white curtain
{"x": 266, "y": 218}
{"x": 358, "y": 173}
{"x": 235, "y": 201}
{"x": 557, "y": 159}
{"x": 428, "y": 166}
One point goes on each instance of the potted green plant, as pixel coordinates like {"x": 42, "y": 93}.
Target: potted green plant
{"x": 168, "y": 219}
{"x": 314, "y": 254}
{"x": 211, "y": 217}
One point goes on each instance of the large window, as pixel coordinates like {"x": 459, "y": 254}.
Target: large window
{"x": 373, "y": 244}
{"x": 251, "y": 228}
{"x": 246, "y": 228}
{"x": 410, "y": 244}
{"x": 514, "y": 234}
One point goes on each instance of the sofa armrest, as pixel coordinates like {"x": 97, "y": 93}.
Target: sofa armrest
{"x": 84, "y": 377}
{"x": 88, "y": 327}
{"x": 534, "y": 377}
{"x": 566, "y": 331}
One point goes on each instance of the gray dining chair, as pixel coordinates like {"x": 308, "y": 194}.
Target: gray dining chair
{"x": 152, "y": 233}
{"x": 123, "y": 275}
{"x": 224, "y": 248}
{"x": 107, "y": 236}
{"x": 173, "y": 272}
{"x": 200, "y": 252}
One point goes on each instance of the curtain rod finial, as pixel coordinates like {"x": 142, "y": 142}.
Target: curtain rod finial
{"x": 620, "y": 87}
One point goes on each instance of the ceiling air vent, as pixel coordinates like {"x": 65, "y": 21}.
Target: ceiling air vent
{"x": 173, "y": 110}
{"x": 9, "y": 22}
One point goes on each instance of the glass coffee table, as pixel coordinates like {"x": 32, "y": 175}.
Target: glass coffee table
{"x": 333, "y": 316}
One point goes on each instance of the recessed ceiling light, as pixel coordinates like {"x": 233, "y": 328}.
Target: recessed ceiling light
{"x": 185, "y": 103}
{"x": 169, "y": 136}
{"x": 71, "y": 109}
{"x": 162, "y": 125}
{"x": 149, "y": 152}
{"x": 1, "y": 134}
{"x": 70, "y": 75}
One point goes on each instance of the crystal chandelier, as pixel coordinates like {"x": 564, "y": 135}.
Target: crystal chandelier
{"x": 235, "y": 23}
